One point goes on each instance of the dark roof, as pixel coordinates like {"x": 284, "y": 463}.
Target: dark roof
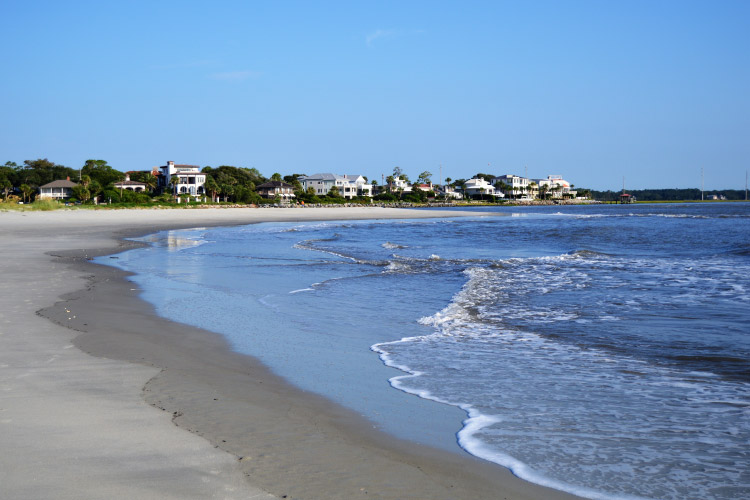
{"x": 273, "y": 184}
{"x": 60, "y": 184}
{"x": 321, "y": 177}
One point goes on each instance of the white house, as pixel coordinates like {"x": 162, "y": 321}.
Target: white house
{"x": 57, "y": 189}
{"x": 349, "y": 186}
{"x": 190, "y": 179}
{"x": 129, "y": 185}
{"x": 272, "y": 189}
{"x": 359, "y": 184}
{"x": 555, "y": 186}
{"x": 448, "y": 192}
{"x": 517, "y": 185}
{"x": 480, "y": 187}
{"x": 400, "y": 184}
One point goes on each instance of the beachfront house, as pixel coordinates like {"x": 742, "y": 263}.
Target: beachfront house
{"x": 272, "y": 189}
{"x": 555, "y": 187}
{"x": 57, "y": 190}
{"x": 129, "y": 185}
{"x": 189, "y": 182}
{"x": 517, "y": 186}
{"x": 481, "y": 188}
{"x": 348, "y": 186}
{"x": 447, "y": 191}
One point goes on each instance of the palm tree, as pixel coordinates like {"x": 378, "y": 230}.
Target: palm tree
{"x": 5, "y": 186}
{"x": 227, "y": 190}
{"x": 173, "y": 181}
{"x": 150, "y": 181}
{"x": 533, "y": 186}
{"x": 26, "y": 191}
{"x": 211, "y": 187}
{"x": 390, "y": 180}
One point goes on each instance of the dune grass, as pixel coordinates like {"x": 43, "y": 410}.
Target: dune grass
{"x": 36, "y": 206}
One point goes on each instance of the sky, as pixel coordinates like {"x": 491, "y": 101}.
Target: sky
{"x": 646, "y": 92}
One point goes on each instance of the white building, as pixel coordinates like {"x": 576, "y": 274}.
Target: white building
{"x": 57, "y": 190}
{"x": 349, "y": 186}
{"x": 401, "y": 185}
{"x": 190, "y": 179}
{"x": 480, "y": 187}
{"x": 518, "y": 187}
{"x": 129, "y": 185}
{"x": 555, "y": 186}
{"x": 448, "y": 192}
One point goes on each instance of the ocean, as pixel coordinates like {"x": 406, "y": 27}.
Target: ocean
{"x": 601, "y": 350}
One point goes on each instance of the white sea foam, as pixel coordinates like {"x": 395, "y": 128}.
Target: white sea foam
{"x": 474, "y": 327}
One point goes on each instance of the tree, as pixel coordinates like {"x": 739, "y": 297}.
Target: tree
{"x": 334, "y": 192}
{"x": 425, "y": 177}
{"x": 226, "y": 190}
{"x": 448, "y": 180}
{"x": 173, "y": 181}
{"x": 5, "y": 186}
{"x": 101, "y": 172}
{"x": 211, "y": 187}
{"x": 150, "y": 181}
{"x": 390, "y": 180}
{"x": 397, "y": 172}
{"x": 532, "y": 186}
{"x": 81, "y": 192}
{"x": 487, "y": 177}
{"x": 39, "y": 172}
{"x": 276, "y": 177}
{"x": 26, "y": 191}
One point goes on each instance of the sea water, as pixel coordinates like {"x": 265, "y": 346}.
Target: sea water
{"x": 602, "y": 350}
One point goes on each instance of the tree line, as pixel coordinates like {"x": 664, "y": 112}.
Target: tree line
{"x": 688, "y": 194}
{"x": 96, "y": 178}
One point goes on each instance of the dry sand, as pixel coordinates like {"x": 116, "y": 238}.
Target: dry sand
{"x": 73, "y": 425}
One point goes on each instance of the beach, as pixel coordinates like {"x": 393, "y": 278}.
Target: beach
{"x": 103, "y": 398}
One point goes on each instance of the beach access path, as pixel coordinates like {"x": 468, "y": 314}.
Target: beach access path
{"x": 75, "y": 425}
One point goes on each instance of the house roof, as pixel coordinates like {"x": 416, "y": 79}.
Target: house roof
{"x": 321, "y": 177}
{"x": 273, "y": 184}
{"x": 129, "y": 183}
{"x": 60, "y": 184}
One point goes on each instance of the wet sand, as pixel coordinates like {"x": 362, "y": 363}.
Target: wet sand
{"x": 158, "y": 409}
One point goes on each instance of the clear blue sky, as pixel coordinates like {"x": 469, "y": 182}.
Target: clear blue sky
{"x": 591, "y": 90}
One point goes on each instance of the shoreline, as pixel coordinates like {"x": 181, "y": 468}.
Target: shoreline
{"x": 284, "y": 441}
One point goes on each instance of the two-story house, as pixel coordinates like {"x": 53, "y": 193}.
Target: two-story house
{"x": 190, "y": 180}
{"x": 348, "y": 186}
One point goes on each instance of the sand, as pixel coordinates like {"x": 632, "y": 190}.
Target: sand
{"x": 101, "y": 398}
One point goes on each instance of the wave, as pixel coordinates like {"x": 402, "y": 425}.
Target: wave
{"x": 392, "y": 246}
{"x": 486, "y": 357}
